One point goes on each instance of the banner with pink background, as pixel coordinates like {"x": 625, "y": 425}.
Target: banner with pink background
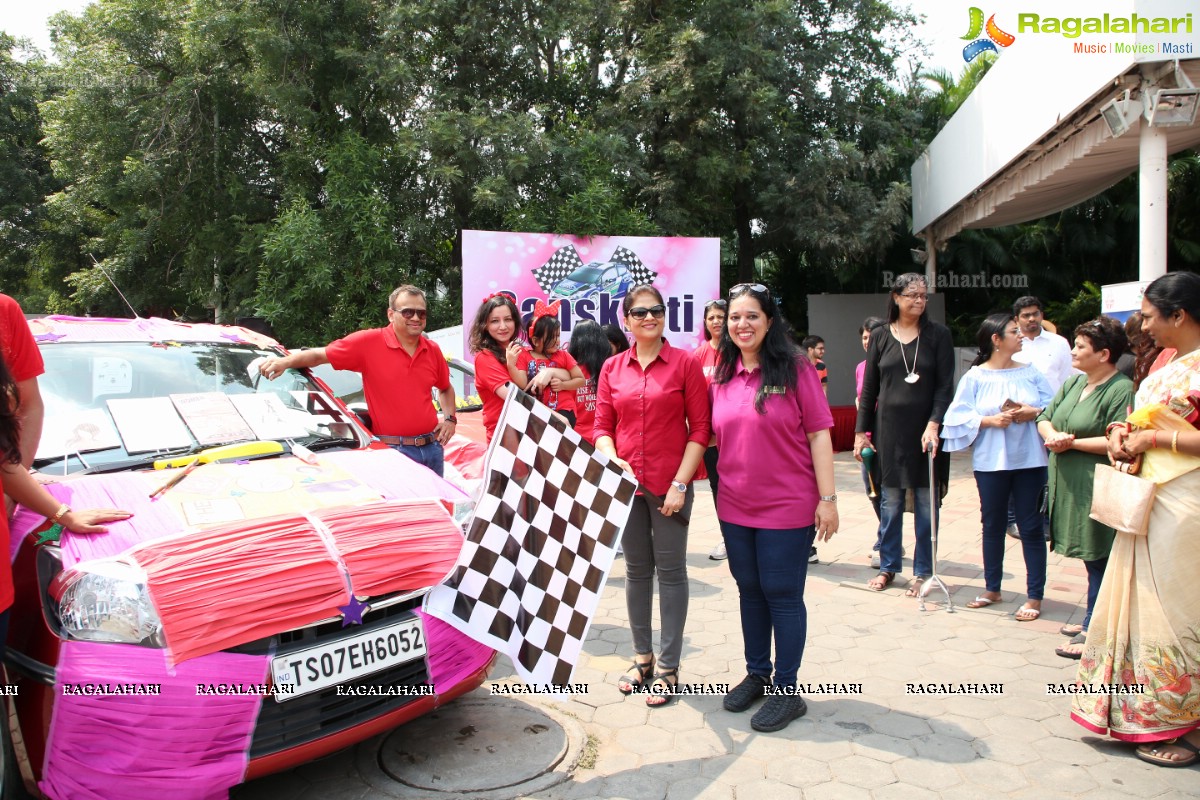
{"x": 590, "y": 276}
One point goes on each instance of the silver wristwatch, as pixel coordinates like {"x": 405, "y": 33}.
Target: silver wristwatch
{"x": 679, "y": 486}
{"x": 829, "y": 498}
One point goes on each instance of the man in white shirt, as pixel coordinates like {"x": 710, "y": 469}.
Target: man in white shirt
{"x": 1047, "y": 351}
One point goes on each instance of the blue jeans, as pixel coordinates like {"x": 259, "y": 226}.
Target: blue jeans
{"x": 770, "y": 567}
{"x": 1095, "y": 572}
{"x": 1024, "y": 486}
{"x": 430, "y": 455}
{"x": 891, "y": 531}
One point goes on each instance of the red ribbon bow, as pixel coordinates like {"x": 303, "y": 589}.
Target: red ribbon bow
{"x": 541, "y": 309}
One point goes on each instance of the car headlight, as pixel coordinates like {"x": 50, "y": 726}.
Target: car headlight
{"x": 104, "y": 601}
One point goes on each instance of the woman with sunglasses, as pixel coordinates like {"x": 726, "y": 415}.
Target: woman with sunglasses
{"x": 652, "y": 418}
{"x": 907, "y": 386}
{"x": 706, "y": 354}
{"x": 777, "y": 500}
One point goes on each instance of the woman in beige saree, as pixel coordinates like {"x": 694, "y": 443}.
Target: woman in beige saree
{"x": 1145, "y": 629}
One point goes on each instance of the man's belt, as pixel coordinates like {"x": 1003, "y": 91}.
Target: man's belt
{"x": 408, "y": 441}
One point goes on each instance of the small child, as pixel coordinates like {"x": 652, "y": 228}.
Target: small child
{"x": 545, "y": 371}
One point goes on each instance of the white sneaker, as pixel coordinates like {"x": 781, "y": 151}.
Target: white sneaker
{"x": 719, "y": 553}
{"x": 874, "y": 559}
{"x": 812, "y": 556}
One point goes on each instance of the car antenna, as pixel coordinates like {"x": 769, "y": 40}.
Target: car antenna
{"x": 104, "y": 272}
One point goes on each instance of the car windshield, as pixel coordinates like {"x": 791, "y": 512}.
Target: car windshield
{"x": 113, "y": 402}
{"x": 585, "y": 275}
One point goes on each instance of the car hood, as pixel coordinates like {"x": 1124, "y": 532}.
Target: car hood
{"x": 236, "y": 552}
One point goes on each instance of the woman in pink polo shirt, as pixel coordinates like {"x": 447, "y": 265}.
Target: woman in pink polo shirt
{"x": 652, "y": 418}
{"x": 777, "y": 497}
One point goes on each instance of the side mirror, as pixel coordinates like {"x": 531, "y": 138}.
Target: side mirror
{"x": 364, "y": 416}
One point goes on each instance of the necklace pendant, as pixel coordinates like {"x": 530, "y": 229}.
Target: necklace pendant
{"x": 912, "y": 378}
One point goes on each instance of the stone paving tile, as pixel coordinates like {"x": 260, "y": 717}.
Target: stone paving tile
{"x": 769, "y": 790}
{"x": 732, "y": 769}
{"x": 861, "y": 771}
{"x": 799, "y": 771}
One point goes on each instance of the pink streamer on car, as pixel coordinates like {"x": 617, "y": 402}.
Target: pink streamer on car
{"x": 178, "y": 744}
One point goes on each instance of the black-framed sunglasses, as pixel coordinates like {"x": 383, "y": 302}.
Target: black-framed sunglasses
{"x": 658, "y": 312}
{"x": 409, "y": 313}
{"x": 721, "y": 304}
{"x": 742, "y": 288}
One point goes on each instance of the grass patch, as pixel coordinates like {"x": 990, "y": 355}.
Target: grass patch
{"x": 591, "y": 751}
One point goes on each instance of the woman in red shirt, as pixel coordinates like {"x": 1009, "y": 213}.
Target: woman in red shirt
{"x": 653, "y": 419}
{"x": 23, "y": 488}
{"x": 495, "y": 343}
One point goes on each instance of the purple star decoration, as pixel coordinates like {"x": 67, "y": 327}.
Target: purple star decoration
{"x": 352, "y": 612}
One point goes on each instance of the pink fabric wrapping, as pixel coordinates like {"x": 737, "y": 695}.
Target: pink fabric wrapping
{"x": 177, "y": 745}
{"x": 392, "y": 547}
{"x": 453, "y": 656}
{"x": 150, "y": 520}
{"x": 235, "y": 583}
{"x": 392, "y": 475}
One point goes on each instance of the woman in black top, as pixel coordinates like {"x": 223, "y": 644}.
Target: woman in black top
{"x": 907, "y": 386}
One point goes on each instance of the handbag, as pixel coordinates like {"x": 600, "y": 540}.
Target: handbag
{"x": 1121, "y": 500}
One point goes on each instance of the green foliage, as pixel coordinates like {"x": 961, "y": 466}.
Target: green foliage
{"x": 1068, "y": 315}
{"x": 298, "y": 159}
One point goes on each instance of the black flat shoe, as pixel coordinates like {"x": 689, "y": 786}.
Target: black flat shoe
{"x": 663, "y": 691}
{"x": 746, "y": 693}
{"x": 637, "y": 677}
{"x": 778, "y": 712}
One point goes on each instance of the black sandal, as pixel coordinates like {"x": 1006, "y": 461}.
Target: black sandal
{"x": 670, "y": 687}
{"x": 627, "y": 684}
{"x": 888, "y": 577}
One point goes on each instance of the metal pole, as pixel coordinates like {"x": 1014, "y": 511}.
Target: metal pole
{"x": 934, "y": 578}
{"x": 1152, "y": 201}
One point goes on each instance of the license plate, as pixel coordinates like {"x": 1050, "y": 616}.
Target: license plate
{"x": 316, "y": 668}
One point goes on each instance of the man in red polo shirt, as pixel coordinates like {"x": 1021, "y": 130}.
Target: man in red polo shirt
{"x": 400, "y": 368}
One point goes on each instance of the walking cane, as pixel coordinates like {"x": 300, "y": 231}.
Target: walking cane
{"x": 934, "y": 579}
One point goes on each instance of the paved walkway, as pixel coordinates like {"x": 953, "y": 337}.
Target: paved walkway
{"x": 882, "y": 743}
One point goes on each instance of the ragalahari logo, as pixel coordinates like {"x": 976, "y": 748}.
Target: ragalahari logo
{"x": 994, "y": 37}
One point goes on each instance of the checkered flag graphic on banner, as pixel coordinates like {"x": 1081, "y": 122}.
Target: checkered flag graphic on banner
{"x": 640, "y": 272}
{"x": 564, "y": 261}
{"x": 540, "y": 545}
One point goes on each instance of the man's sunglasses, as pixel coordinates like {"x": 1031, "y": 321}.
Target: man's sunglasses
{"x": 409, "y": 313}
{"x": 658, "y": 312}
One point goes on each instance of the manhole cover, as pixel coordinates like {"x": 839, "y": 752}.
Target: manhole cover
{"x": 480, "y": 746}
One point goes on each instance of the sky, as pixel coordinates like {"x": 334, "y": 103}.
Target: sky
{"x": 945, "y": 22}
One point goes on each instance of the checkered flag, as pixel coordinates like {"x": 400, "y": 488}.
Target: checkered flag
{"x": 540, "y": 545}
{"x": 640, "y": 272}
{"x": 564, "y": 261}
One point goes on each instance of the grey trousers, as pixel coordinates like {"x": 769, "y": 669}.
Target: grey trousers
{"x": 654, "y": 544}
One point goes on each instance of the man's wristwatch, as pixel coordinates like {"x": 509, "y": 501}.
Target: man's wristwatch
{"x": 829, "y": 498}
{"x": 679, "y": 486}
{"x": 451, "y": 418}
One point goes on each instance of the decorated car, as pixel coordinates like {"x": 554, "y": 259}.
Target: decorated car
{"x": 262, "y": 606}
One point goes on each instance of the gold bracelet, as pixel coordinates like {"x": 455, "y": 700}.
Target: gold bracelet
{"x": 63, "y": 510}
{"x": 1175, "y": 442}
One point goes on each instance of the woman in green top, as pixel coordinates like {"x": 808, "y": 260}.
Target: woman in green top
{"x": 1073, "y": 429}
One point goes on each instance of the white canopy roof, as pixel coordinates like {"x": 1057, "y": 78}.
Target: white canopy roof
{"x": 1030, "y": 140}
